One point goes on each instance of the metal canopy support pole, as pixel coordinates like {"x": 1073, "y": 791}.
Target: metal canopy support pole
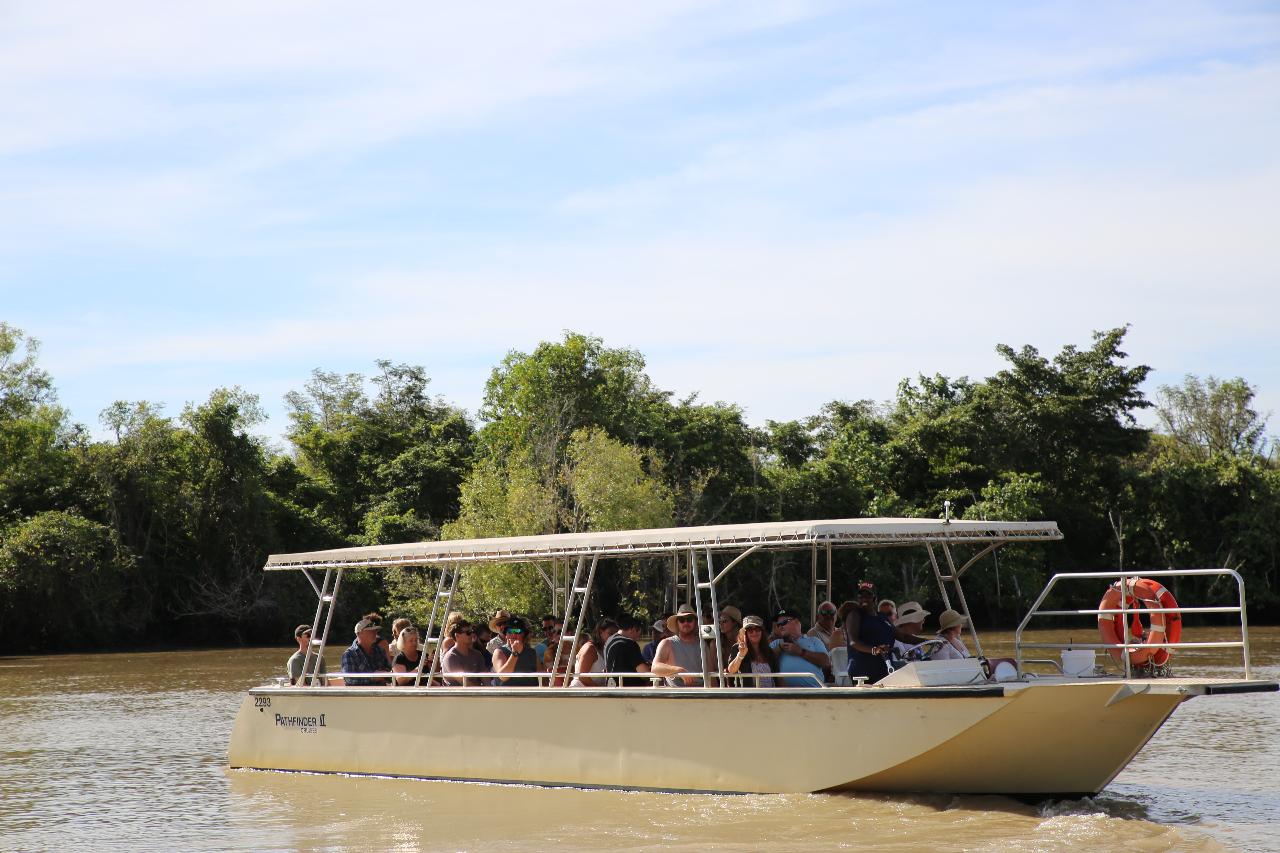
{"x": 324, "y": 601}
{"x": 738, "y": 559}
{"x": 448, "y": 575}
{"x": 955, "y": 579}
{"x": 1124, "y": 617}
{"x": 715, "y": 616}
{"x": 937, "y": 574}
{"x": 676, "y": 586}
{"x": 570, "y": 622}
{"x": 695, "y": 590}
{"x": 994, "y": 546}
{"x": 813, "y": 584}
{"x": 831, "y": 594}
{"x": 306, "y": 573}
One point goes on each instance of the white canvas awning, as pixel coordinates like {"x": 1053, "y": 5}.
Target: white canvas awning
{"x": 774, "y": 536}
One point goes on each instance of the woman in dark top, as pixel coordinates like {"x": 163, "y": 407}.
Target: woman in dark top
{"x": 408, "y": 657}
{"x": 754, "y": 655}
{"x": 869, "y": 637}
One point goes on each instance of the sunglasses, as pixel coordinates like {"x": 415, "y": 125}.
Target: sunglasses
{"x": 464, "y": 631}
{"x": 785, "y": 620}
{"x": 826, "y": 613}
{"x": 686, "y": 618}
{"x": 515, "y": 630}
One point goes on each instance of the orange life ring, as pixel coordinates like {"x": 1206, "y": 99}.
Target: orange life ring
{"x": 1165, "y": 627}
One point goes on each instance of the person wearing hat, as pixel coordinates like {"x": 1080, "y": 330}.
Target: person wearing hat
{"x": 497, "y": 625}
{"x": 365, "y": 655}
{"x": 294, "y": 667}
{"x": 679, "y": 657}
{"x": 869, "y": 636}
{"x": 950, "y": 624}
{"x": 911, "y": 618}
{"x": 730, "y": 624}
{"x": 754, "y": 653}
{"x": 798, "y": 652}
{"x": 515, "y": 655}
{"x": 660, "y": 633}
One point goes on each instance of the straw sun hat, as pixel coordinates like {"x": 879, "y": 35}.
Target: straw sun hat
{"x": 685, "y": 610}
{"x": 950, "y": 619}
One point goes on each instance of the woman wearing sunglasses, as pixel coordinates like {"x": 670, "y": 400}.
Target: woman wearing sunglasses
{"x": 754, "y": 654}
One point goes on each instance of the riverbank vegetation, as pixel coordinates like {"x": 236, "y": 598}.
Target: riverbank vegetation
{"x": 158, "y": 533}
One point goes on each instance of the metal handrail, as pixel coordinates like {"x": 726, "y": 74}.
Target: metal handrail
{"x": 1124, "y": 611}
{"x": 547, "y": 676}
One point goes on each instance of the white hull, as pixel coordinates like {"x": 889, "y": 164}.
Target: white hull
{"x": 1041, "y": 738}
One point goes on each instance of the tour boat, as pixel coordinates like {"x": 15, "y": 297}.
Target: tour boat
{"x": 1030, "y": 728}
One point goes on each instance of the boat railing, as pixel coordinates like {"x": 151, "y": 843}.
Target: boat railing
{"x": 555, "y": 680}
{"x": 1125, "y": 611}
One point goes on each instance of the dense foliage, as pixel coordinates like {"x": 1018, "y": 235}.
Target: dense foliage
{"x": 158, "y": 534}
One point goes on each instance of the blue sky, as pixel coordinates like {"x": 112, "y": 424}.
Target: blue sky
{"x": 778, "y": 204}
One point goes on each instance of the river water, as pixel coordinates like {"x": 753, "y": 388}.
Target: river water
{"x": 127, "y": 752}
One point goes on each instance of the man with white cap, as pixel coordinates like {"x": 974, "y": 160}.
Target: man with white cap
{"x": 950, "y": 624}
{"x": 911, "y": 618}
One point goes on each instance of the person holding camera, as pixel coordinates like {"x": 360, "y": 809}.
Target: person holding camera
{"x": 798, "y": 652}
{"x": 515, "y": 655}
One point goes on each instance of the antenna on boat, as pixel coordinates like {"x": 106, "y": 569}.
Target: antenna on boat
{"x": 946, "y": 512}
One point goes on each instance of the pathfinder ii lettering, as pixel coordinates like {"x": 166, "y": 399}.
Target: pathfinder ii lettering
{"x": 306, "y": 725}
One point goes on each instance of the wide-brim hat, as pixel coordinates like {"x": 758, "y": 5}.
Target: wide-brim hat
{"x": 911, "y": 611}
{"x": 685, "y": 610}
{"x": 500, "y": 616}
{"x": 950, "y": 619}
{"x": 733, "y": 613}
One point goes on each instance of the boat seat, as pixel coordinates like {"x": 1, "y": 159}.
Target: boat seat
{"x": 840, "y": 665}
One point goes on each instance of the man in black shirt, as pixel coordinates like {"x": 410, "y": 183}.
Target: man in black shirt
{"x": 622, "y": 652}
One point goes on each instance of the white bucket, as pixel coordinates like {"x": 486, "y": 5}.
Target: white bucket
{"x": 1077, "y": 663}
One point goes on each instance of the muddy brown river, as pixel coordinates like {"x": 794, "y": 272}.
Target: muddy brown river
{"x": 127, "y": 752}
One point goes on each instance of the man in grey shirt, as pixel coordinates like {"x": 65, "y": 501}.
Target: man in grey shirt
{"x": 679, "y": 657}
{"x": 294, "y": 667}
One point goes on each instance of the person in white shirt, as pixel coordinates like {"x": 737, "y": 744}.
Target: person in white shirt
{"x": 950, "y": 624}
{"x": 911, "y": 618}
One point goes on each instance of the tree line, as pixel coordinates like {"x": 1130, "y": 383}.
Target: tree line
{"x": 158, "y": 534}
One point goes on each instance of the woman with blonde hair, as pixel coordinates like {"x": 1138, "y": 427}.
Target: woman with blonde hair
{"x": 409, "y": 658}
{"x": 446, "y": 635}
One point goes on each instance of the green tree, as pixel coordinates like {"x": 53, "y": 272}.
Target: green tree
{"x": 1211, "y": 416}
{"x": 36, "y": 472}
{"x": 386, "y": 468}
{"x": 64, "y": 578}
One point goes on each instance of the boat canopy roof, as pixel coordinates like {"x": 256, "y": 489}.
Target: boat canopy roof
{"x": 773, "y": 536}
